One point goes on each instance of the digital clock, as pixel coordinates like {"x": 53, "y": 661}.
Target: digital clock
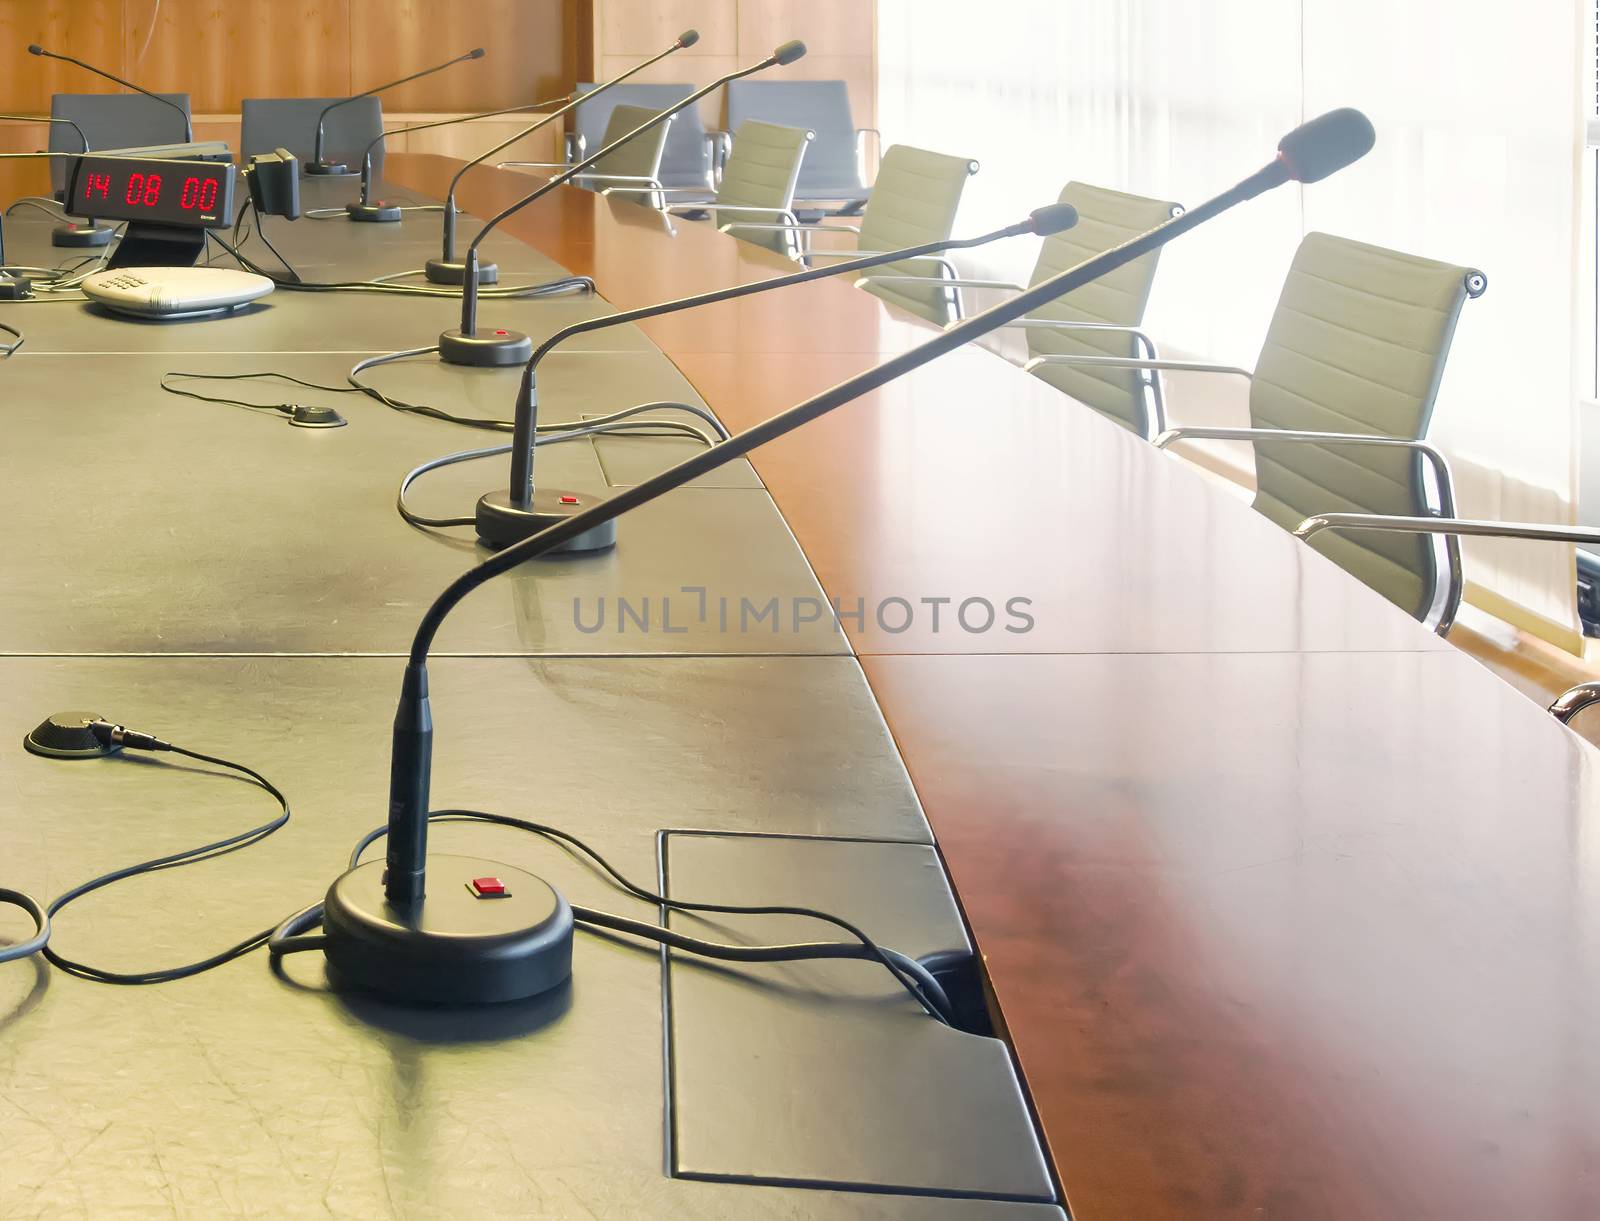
{"x": 182, "y": 194}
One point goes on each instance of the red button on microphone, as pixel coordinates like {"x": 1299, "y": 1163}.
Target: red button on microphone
{"x": 489, "y": 888}
{"x": 569, "y": 500}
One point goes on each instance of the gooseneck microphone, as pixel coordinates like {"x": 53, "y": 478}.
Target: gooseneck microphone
{"x": 447, "y": 268}
{"x": 319, "y": 164}
{"x": 506, "y": 517}
{"x": 188, "y": 125}
{"x": 465, "y": 346}
{"x": 36, "y": 118}
{"x": 69, "y": 233}
{"x": 486, "y": 931}
{"x": 366, "y": 209}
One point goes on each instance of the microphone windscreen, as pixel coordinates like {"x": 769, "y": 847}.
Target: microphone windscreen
{"x": 1326, "y": 144}
{"x": 1055, "y": 218}
{"x": 789, "y": 52}
{"x": 35, "y": 49}
{"x": 475, "y": 53}
{"x": 688, "y": 38}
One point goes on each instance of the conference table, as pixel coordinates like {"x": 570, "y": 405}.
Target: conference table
{"x": 1281, "y": 904}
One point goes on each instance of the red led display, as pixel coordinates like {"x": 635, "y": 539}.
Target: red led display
{"x": 144, "y": 190}
{"x": 165, "y": 192}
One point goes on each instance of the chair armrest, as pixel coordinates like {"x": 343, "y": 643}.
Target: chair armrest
{"x": 1434, "y": 456}
{"x": 1122, "y": 362}
{"x": 1454, "y": 529}
{"x": 1456, "y": 526}
{"x": 1573, "y": 701}
{"x": 952, "y": 283}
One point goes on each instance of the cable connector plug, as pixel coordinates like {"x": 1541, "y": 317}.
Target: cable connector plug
{"x": 109, "y": 735}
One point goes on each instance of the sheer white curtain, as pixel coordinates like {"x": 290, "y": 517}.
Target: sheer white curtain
{"x": 1478, "y": 162}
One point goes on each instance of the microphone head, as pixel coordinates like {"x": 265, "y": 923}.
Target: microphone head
{"x": 1326, "y": 144}
{"x": 688, "y": 38}
{"x": 789, "y": 52}
{"x": 475, "y": 53}
{"x": 35, "y": 49}
{"x": 1054, "y": 218}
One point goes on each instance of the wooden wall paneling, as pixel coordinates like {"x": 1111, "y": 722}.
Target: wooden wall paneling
{"x": 222, "y": 51}
{"x": 637, "y": 28}
{"x": 89, "y": 29}
{"x": 840, "y": 38}
{"x": 525, "y": 40}
{"x": 467, "y": 140}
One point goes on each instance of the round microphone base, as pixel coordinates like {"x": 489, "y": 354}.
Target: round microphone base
{"x": 453, "y": 271}
{"x": 485, "y": 933}
{"x": 501, "y": 523}
{"x": 485, "y": 349}
{"x": 66, "y": 735}
{"x": 380, "y": 212}
{"x": 329, "y": 169}
{"x": 79, "y": 237}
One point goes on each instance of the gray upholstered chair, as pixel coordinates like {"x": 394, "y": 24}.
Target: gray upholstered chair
{"x": 1340, "y": 402}
{"x": 109, "y": 121}
{"x": 687, "y": 159}
{"x": 756, "y": 188}
{"x": 914, "y": 202}
{"x": 267, "y": 124}
{"x": 634, "y": 170}
{"x": 832, "y": 173}
{"x": 1100, "y": 319}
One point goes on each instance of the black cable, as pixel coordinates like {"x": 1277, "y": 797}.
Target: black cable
{"x": 10, "y": 348}
{"x": 41, "y": 925}
{"x": 927, "y": 992}
{"x": 221, "y": 847}
{"x": 616, "y": 423}
{"x": 516, "y": 292}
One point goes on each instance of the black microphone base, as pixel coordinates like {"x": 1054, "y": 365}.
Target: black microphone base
{"x": 501, "y": 523}
{"x": 329, "y": 168}
{"x": 484, "y": 933}
{"x": 454, "y": 271}
{"x": 374, "y": 212}
{"x": 485, "y": 348}
{"x": 79, "y": 237}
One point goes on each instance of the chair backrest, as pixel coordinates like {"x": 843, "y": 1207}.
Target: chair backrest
{"x": 639, "y": 158}
{"x": 291, "y": 123}
{"x": 761, "y": 173}
{"x": 831, "y": 168}
{"x": 1357, "y": 344}
{"x": 111, "y": 120}
{"x": 687, "y": 159}
{"x": 914, "y": 202}
{"x": 1105, "y": 219}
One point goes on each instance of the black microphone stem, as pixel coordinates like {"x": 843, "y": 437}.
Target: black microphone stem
{"x": 449, "y": 253}
{"x": 366, "y": 155}
{"x": 413, "y": 732}
{"x": 35, "y": 118}
{"x": 188, "y": 122}
{"x": 522, "y": 447}
{"x": 476, "y": 53}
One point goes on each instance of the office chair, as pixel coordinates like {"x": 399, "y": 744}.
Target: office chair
{"x": 109, "y": 121}
{"x": 686, "y": 163}
{"x": 637, "y": 163}
{"x": 756, "y": 187}
{"x": 832, "y": 177}
{"x": 272, "y": 123}
{"x": 1340, "y": 402}
{"x": 1101, "y": 319}
{"x": 914, "y": 202}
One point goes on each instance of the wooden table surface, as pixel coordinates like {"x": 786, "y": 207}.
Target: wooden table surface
{"x": 1285, "y": 904}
